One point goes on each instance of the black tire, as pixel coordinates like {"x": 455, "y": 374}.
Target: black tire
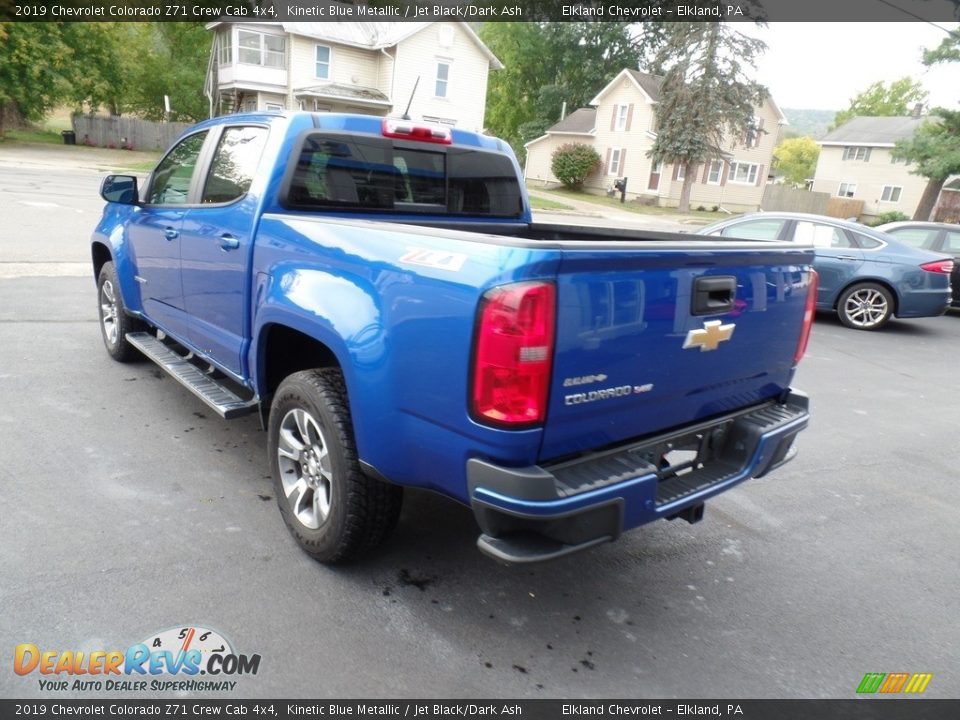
{"x": 334, "y": 511}
{"x": 115, "y": 323}
{"x": 865, "y": 306}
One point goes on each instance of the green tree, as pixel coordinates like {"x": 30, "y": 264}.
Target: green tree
{"x": 33, "y": 71}
{"x": 878, "y": 100}
{"x": 934, "y": 150}
{"x": 947, "y": 51}
{"x": 173, "y": 62}
{"x": 796, "y": 158}
{"x": 706, "y": 96}
{"x": 549, "y": 63}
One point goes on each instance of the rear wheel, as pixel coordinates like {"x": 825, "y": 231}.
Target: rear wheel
{"x": 866, "y": 306}
{"x": 334, "y": 511}
{"x": 114, "y": 321}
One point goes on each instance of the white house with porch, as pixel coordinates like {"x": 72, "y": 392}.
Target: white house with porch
{"x": 375, "y": 68}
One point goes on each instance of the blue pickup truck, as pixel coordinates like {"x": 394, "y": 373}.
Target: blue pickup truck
{"x": 377, "y": 290}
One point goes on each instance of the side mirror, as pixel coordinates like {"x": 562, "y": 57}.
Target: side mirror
{"x": 120, "y": 189}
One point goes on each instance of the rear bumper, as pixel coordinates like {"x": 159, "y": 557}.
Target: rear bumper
{"x": 543, "y": 512}
{"x": 928, "y": 302}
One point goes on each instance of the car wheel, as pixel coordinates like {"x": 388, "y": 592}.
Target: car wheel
{"x": 866, "y": 306}
{"x": 114, "y": 321}
{"x": 334, "y": 511}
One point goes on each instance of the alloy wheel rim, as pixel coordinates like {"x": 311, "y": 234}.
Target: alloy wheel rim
{"x": 108, "y": 312}
{"x": 866, "y": 307}
{"x": 305, "y": 471}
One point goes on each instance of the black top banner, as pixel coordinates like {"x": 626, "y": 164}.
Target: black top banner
{"x": 624, "y": 11}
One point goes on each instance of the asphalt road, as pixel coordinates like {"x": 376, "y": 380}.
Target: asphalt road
{"x": 127, "y": 508}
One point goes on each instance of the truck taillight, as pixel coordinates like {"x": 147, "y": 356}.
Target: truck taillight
{"x": 513, "y": 354}
{"x": 938, "y": 266}
{"x": 424, "y": 132}
{"x": 808, "y": 313}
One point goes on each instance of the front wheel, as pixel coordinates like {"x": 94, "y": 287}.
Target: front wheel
{"x": 334, "y": 511}
{"x": 114, "y": 321}
{"x": 866, "y": 306}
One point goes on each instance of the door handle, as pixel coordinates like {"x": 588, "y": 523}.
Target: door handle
{"x": 170, "y": 233}
{"x": 846, "y": 257}
{"x": 228, "y": 242}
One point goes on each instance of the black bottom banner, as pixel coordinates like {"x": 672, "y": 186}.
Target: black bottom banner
{"x": 865, "y": 709}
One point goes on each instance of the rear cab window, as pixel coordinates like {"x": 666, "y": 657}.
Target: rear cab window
{"x": 339, "y": 172}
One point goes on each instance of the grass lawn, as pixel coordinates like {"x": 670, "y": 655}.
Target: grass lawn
{"x": 539, "y": 203}
{"x": 631, "y": 205}
{"x": 33, "y": 135}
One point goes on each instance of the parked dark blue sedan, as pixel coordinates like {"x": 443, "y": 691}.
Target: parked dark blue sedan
{"x": 865, "y": 275}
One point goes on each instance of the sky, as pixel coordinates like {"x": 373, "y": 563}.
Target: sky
{"x": 824, "y": 65}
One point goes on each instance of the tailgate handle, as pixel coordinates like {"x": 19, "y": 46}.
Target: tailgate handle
{"x": 714, "y": 295}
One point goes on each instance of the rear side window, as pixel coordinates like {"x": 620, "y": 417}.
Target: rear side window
{"x": 951, "y": 243}
{"x": 234, "y": 164}
{"x": 821, "y": 236}
{"x": 763, "y": 229}
{"x": 348, "y": 172}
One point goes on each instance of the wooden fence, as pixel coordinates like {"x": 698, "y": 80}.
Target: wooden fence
{"x": 844, "y": 208}
{"x": 786, "y": 199}
{"x": 123, "y": 132}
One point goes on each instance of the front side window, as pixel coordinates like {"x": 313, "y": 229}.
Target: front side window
{"x": 171, "y": 179}
{"x": 915, "y": 237}
{"x": 323, "y": 62}
{"x": 443, "y": 80}
{"x": 891, "y": 193}
{"x": 234, "y": 164}
{"x": 847, "y": 190}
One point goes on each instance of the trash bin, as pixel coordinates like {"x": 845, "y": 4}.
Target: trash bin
{"x": 69, "y": 137}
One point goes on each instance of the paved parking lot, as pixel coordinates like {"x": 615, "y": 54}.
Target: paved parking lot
{"x": 127, "y": 509}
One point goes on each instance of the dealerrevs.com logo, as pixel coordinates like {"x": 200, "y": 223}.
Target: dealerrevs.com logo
{"x": 171, "y": 660}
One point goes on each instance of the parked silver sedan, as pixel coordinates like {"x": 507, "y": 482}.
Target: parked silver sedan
{"x": 939, "y": 237}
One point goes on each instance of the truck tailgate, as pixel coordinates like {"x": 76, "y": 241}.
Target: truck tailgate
{"x": 651, "y": 338}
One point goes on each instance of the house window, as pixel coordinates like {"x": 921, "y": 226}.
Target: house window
{"x": 225, "y": 48}
{"x": 274, "y": 107}
{"x": 891, "y": 193}
{"x": 622, "y": 113}
{"x": 443, "y": 79}
{"x": 716, "y": 172}
{"x": 744, "y": 173}
{"x": 681, "y": 172}
{"x": 259, "y": 49}
{"x": 753, "y": 132}
{"x": 856, "y": 153}
{"x": 323, "y": 62}
{"x": 616, "y": 160}
{"x": 847, "y": 189}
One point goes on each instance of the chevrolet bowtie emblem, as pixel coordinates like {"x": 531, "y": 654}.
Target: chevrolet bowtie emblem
{"x": 710, "y": 337}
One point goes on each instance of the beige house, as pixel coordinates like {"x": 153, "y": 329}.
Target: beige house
{"x": 357, "y": 67}
{"x": 621, "y": 126}
{"x": 855, "y": 162}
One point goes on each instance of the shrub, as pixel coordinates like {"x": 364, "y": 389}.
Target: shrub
{"x": 888, "y": 217}
{"x": 573, "y": 162}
